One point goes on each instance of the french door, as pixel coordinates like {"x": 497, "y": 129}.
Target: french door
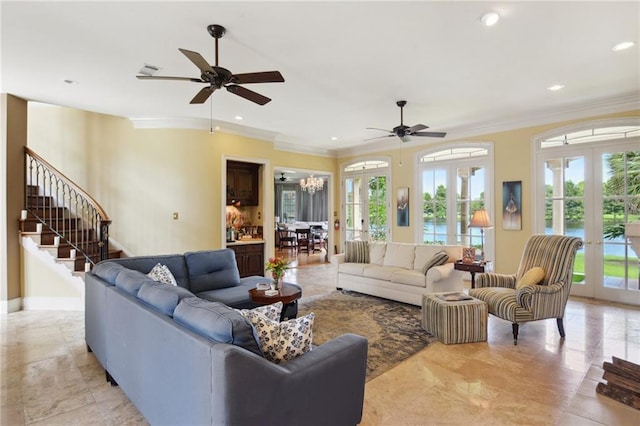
{"x": 366, "y": 207}
{"x": 591, "y": 192}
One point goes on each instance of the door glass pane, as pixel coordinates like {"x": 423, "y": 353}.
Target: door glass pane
{"x": 377, "y": 208}
{"x": 353, "y": 207}
{"x": 470, "y": 197}
{"x": 564, "y": 204}
{"x": 434, "y": 195}
{"x": 620, "y": 205}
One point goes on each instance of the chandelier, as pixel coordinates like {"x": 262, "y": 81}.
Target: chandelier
{"x": 312, "y": 184}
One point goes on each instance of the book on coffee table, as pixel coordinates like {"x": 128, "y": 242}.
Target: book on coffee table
{"x": 454, "y": 297}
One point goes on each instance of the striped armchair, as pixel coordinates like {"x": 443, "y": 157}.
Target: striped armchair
{"x": 555, "y": 254}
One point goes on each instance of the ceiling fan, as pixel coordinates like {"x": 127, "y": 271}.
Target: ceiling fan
{"x": 403, "y": 131}
{"x": 217, "y": 77}
{"x": 282, "y": 177}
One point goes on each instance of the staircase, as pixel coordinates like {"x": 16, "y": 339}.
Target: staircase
{"x": 62, "y": 219}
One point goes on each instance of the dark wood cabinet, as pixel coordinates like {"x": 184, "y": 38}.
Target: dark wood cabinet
{"x": 242, "y": 183}
{"x": 250, "y": 259}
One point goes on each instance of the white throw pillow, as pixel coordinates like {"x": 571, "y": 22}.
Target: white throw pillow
{"x": 272, "y": 311}
{"x": 161, "y": 273}
{"x": 283, "y": 341}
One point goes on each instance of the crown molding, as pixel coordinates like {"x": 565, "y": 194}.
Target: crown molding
{"x": 611, "y": 105}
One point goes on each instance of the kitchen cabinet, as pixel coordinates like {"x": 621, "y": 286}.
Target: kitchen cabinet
{"x": 249, "y": 257}
{"x": 242, "y": 183}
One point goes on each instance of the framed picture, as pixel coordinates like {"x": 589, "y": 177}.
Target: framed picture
{"x": 512, "y": 205}
{"x": 468, "y": 254}
{"x": 402, "y": 206}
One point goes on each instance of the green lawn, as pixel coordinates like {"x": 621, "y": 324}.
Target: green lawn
{"x": 614, "y": 266}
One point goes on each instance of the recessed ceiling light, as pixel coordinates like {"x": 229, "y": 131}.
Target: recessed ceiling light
{"x": 70, "y": 81}
{"x": 622, "y": 46}
{"x": 148, "y": 69}
{"x": 489, "y": 19}
{"x": 334, "y": 138}
{"x": 239, "y": 117}
{"x": 555, "y": 87}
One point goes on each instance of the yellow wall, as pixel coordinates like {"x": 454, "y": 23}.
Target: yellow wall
{"x": 13, "y": 137}
{"x": 512, "y": 162}
{"x": 141, "y": 176}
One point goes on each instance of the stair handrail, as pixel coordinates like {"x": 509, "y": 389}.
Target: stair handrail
{"x": 63, "y": 190}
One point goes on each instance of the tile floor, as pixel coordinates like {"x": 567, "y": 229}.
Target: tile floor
{"x": 48, "y": 378}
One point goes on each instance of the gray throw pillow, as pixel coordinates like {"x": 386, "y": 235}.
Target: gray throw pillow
{"x": 356, "y": 251}
{"x": 440, "y": 258}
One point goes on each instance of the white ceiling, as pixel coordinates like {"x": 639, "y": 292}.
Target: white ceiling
{"x": 345, "y": 64}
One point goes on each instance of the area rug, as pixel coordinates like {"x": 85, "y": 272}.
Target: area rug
{"x": 393, "y": 329}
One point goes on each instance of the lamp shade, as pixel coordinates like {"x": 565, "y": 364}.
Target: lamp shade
{"x": 480, "y": 219}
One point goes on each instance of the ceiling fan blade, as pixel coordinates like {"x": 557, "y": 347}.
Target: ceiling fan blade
{"x": 383, "y": 130}
{"x": 430, "y": 134}
{"x": 248, "y": 94}
{"x": 417, "y": 127}
{"x": 198, "y": 60}
{"x": 380, "y": 137}
{"x": 152, "y": 77}
{"x": 203, "y": 95}
{"x": 258, "y": 77}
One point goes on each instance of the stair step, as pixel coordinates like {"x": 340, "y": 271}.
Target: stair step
{"x": 36, "y": 201}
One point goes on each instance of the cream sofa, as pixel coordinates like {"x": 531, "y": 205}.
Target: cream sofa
{"x": 394, "y": 272}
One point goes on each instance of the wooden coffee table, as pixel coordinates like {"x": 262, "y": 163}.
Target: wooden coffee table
{"x": 288, "y": 295}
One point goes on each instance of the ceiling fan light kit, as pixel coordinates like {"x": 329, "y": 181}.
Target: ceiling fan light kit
{"x": 217, "y": 77}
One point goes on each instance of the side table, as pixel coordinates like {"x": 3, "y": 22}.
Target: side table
{"x": 473, "y": 268}
{"x": 288, "y": 295}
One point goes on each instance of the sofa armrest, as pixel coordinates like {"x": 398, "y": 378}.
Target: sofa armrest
{"x": 440, "y": 272}
{"x": 337, "y": 259}
{"x": 330, "y": 375}
{"x": 496, "y": 280}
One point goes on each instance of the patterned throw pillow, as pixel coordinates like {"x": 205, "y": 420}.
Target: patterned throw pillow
{"x": 440, "y": 258}
{"x": 356, "y": 251}
{"x": 162, "y": 274}
{"x": 272, "y": 312}
{"x": 283, "y": 341}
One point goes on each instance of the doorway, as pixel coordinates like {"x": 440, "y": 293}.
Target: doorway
{"x": 302, "y": 202}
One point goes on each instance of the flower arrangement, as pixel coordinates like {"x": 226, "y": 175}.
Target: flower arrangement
{"x": 234, "y": 217}
{"x": 277, "y": 266}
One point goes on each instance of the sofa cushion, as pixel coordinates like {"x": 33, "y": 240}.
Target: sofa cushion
{"x": 283, "y": 341}
{"x": 217, "y": 322}
{"x": 108, "y": 271}
{"x": 212, "y": 269}
{"x": 162, "y": 274}
{"x": 380, "y": 272}
{"x": 412, "y": 278}
{"x": 175, "y": 263}
{"x": 399, "y": 255}
{"x": 356, "y": 251}
{"x": 352, "y": 268}
{"x": 440, "y": 258}
{"x": 163, "y": 297}
{"x": 376, "y": 252}
{"x": 130, "y": 281}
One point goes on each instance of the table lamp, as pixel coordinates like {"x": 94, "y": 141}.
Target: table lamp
{"x": 480, "y": 219}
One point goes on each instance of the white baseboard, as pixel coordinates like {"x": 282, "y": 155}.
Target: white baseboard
{"x": 53, "y": 304}
{"x": 9, "y": 306}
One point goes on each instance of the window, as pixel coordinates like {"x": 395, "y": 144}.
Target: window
{"x": 454, "y": 182}
{"x": 288, "y": 205}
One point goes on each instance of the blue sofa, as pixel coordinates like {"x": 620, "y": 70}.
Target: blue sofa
{"x": 177, "y": 374}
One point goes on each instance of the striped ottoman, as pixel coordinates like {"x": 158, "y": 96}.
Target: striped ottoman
{"x": 463, "y": 321}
